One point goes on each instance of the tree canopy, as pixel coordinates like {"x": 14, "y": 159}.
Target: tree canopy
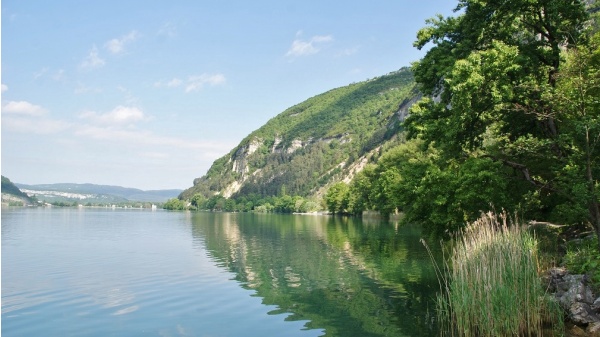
{"x": 515, "y": 83}
{"x": 509, "y": 119}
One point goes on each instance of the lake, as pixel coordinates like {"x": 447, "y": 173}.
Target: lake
{"x": 104, "y": 272}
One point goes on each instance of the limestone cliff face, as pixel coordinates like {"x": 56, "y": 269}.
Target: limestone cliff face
{"x": 325, "y": 139}
{"x": 240, "y": 158}
{"x": 240, "y": 161}
{"x": 240, "y": 167}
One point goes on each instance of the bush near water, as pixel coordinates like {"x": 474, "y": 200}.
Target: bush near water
{"x": 491, "y": 285}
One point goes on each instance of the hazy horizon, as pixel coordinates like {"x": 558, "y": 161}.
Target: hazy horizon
{"x": 147, "y": 97}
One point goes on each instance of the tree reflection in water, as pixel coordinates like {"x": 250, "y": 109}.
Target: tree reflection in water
{"x": 348, "y": 276}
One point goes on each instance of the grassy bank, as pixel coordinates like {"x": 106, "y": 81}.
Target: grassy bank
{"x": 491, "y": 285}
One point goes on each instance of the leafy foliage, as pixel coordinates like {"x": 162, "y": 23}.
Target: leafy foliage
{"x": 442, "y": 195}
{"x": 509, "y": 120}
{"x": 510, "y": 107}
{"x": 337, "y": 198}
{"x": 175, "y": 204}
{"x": 252, "y": 203}
{"x": 584, "y": 258}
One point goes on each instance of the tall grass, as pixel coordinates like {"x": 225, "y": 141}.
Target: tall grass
{"x": 491, "y": 286}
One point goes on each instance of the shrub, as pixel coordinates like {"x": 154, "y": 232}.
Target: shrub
{"x": 583, "y": 257}
{"x": 491, "y": 285}
{"x": 175, "y": 204}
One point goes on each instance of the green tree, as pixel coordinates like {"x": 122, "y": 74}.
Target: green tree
{"x": 175, "y": 204}
{"x": 578, "y": 107}
{"x": 337, "y": 198}
{"x": 285, "y": 204}
{"x": 360, "y": 189}
{"x": 384, "y": 196}
{"x": 489, "y": 82}
{"x": 198, "y": 200}
{"x": 230, "y": 205}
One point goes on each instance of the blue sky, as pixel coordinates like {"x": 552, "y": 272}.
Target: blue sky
{"x": 148, "y": 94}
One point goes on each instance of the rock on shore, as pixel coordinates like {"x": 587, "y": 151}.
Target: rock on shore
{"x": 577, "y": 299}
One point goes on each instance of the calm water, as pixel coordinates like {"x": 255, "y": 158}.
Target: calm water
{"x": 96, "y": 272}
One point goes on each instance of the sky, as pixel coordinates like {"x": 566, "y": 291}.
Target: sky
{"x": 147, "y": 94}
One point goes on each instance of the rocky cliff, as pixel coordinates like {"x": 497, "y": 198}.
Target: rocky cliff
{"x": 327, "y": 138}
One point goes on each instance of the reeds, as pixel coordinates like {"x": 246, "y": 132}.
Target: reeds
{"x": 491, "y": 286}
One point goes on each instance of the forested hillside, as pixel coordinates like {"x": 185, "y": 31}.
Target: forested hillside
{"x": 321, "y": 140}
{"x": 515, "y": 123}
{"x": 12, "y": 195}
{"x": 507, "y": 117}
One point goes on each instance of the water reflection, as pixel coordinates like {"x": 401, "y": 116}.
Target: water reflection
{"x": 346, "y": 276}
{"x": 93, "y": 272}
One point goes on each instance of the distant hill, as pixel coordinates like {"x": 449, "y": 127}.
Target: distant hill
{"x": 325, "y": 139}
{"x": 12, "y": 195}
{"x": 95, "y": 193}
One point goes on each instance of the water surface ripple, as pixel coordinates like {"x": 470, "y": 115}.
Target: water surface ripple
{"x": 103, "y": 272}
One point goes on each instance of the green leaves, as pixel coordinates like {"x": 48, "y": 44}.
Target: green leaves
{"x": 175, "y": 204}
{"x": 337, "y": 198}
{"x": 514, "y": 102}
{"x": 440, "y": 194}
{"x": 576, "y": 97}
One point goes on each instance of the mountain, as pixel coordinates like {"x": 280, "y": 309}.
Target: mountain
{"x": 12, "y": 195}
{"x": 95, "y": 193}
{"x": 322, "y": 140}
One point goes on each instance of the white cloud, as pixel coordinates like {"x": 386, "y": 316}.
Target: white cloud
{"x": 130, "y": 98}
{"x": 147, "y": 138}
{"x": 92, "y": 60}
{"x": 194, "y": 82}
{"x": 59, "y": 75}
{"x": 42, "y": 126}
{"x": 197, "y": 82}
{"x": 117, "y": 45}
{"x": 154, "y": 155}
{"x": 83, "y": 89}
{"x": 312, "y": 46}
{"x": 40, "y": 73}
{"x": 168, "y": 29}
{"x": 4, "y": 87}
{"x": 23, "y": 108}
{"x": 22, "y": 116}
{"x": 118, "y": 116}
{"x": 348, "y": 51}
{"x": 173, "y": 83}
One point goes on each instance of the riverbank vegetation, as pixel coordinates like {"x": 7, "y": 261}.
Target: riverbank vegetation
{"x": 250, "y": 203}
{"x": 510, "y": 119}
{"x": 490, "y": 285}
